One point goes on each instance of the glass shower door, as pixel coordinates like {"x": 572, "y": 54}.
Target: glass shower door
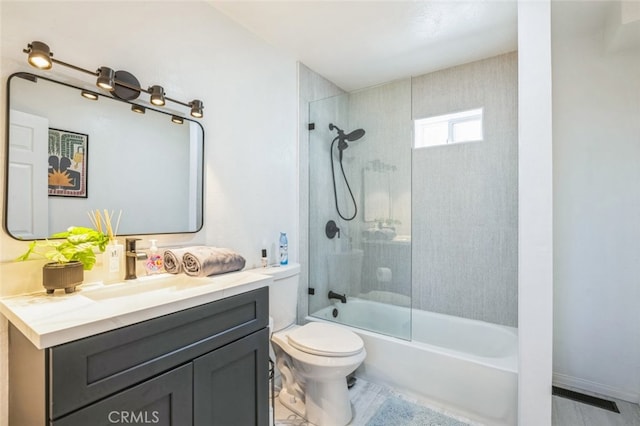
{"x": 360, "y": 209}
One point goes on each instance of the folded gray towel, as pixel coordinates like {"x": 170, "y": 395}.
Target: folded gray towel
{"x": 205, "y": 261}
{"x": 173, "y": 259}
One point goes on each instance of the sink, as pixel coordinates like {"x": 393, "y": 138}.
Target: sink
{"x": 145, "y": 285}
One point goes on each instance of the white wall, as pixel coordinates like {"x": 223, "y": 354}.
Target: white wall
{"x": 535, "y": 263}
{"x": 596, "y": 138}
{"x": 249, "y": 93}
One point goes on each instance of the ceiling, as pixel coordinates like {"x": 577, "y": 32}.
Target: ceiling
{"x": 357, "y": 44}
{"x": 362, "y": 43}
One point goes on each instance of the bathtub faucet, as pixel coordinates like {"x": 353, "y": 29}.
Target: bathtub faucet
{"x": 341, "y": 297}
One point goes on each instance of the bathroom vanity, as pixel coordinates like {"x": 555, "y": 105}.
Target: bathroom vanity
{"x": 171, "y": 351}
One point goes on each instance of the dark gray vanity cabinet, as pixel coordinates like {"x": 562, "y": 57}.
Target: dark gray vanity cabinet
{"x": 206, "y": 365}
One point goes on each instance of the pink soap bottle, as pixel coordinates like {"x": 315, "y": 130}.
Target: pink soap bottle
{"x": 154, "y": 263}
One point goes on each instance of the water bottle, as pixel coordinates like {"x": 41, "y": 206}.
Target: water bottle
{"x": 284, "y": 247}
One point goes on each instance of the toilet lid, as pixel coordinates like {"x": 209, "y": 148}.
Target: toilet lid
{"x": 325, "y": 339}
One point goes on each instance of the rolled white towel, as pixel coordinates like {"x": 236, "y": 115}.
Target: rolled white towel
{"x": 205, "y": 261}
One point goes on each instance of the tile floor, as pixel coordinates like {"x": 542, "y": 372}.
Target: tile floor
{"x": 367, "y": 397}
{"x": 570, "y": 413}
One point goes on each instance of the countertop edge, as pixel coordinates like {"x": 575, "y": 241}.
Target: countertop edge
{"x": 44, "y": 340}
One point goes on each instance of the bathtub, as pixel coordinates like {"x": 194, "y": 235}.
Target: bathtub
{"x": 465, "y": 367}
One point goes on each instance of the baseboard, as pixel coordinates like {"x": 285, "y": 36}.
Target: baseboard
{"x": 564, "y": 380}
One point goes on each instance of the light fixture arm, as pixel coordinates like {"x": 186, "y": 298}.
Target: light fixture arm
{"x": 178, "y": 102}
{"x": 40, "y": 56}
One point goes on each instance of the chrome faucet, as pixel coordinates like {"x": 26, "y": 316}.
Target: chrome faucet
{"x": 131, "y": 257}
{"x": 340, "y": 297}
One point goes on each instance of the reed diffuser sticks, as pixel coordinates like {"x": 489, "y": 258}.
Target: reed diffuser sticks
{"x": 97, "y": 219}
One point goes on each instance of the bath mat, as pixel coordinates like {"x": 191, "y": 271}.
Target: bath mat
{"x": 398, "y": 412}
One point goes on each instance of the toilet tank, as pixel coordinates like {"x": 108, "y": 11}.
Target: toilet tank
{"x": 283, "y": 294}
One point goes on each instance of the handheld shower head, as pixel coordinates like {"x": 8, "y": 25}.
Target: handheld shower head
{"x": 342, "y": 145}
{"x": 355, "y": 135}
{"x": 342, "y": 138}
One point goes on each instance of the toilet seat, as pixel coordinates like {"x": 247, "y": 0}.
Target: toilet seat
{"x": 328, "y": 340}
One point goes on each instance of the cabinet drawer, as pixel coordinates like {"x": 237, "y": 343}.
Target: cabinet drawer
{"x": 90, "y": 369}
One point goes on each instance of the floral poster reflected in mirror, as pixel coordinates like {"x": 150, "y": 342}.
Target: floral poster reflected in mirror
{"x": 67, "y": 171}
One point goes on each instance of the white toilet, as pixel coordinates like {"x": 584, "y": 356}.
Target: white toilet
{"x": 313, "y": 359}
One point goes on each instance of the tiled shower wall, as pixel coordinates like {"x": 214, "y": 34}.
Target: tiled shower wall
{"x": 384, "y": 111}
{"x": 465, "y": 196}
{"x": 463, "y": 220}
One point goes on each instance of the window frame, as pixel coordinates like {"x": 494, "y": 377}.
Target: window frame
{"x": 451, "y": 119}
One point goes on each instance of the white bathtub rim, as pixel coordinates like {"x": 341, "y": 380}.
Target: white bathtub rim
{"x": 511, "y": 333}
{"x": 508, "y": 363}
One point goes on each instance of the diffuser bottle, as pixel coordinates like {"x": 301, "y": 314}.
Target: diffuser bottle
{"x": 113, "y": 262}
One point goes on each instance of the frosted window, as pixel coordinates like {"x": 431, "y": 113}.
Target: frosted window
{"x": 465, "y": 126}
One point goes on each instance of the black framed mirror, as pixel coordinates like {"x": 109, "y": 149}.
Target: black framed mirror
{"x": 67, "y": 154}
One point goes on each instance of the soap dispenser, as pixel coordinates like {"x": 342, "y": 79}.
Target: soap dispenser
{"x": 154, "y": 262}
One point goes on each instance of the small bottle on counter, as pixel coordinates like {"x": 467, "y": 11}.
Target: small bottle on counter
{"x": 284, "y": 249}
{"x": 113, "y": 262}
{"x": 265, "y": 260}
{"x": 154, "y": 262}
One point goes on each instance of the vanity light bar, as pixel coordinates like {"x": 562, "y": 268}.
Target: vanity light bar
{"x": 41, "y": 57}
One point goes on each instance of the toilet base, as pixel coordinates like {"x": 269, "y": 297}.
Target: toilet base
{"x": 326, "y": 403}
{"x": 294, "y": 404}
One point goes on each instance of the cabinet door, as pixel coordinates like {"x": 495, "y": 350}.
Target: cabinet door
{"x": 165, "y": 400}
{"x": 231, "y": 384}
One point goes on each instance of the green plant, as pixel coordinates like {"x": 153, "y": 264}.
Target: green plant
{"x": 75, "y": 244}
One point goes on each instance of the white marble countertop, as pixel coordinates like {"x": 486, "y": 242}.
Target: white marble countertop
{"x": 50, "y": 320}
